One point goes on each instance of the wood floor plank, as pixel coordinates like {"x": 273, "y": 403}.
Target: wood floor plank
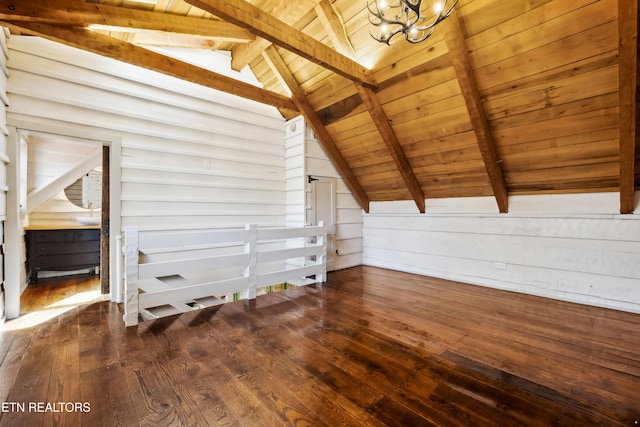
{"x": 106, "y": 391}
{"x": 329, "y": 387}
{"x": 31, "y": 385}
{"x": 14, "y": 344}
{"x": 370, "y": 347}
{"x": 63, "y": 385}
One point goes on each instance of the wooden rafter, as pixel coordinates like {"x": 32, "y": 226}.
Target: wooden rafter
{"x": 275, "y": 61}
{"x": 245, "y": 15}
{"x": 458, "y": 52}
{"x": 335, "y": 30}
{"x": 127, "y": 52}
{"x": 392, "y": 143}
{"x": 81, "y": 14}
{"x": 292, "y": 11}
{"x": 627, "y": 78}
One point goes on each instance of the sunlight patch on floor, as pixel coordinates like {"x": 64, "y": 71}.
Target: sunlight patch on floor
{"x": 50, "y": 312}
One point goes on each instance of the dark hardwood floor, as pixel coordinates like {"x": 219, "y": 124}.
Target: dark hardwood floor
{"x": 372, "y": 347}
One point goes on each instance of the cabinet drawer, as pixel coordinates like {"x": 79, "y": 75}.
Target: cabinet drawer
{"x": 84, "y": 235}
{"x": 54, "y": 236}
{"x": 67, "y": 261}
{"x": 67, "y": 235}
{"x": 60, "y": 248}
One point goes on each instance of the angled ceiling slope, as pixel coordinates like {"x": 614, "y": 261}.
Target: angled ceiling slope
{"x": 525, "y": 98}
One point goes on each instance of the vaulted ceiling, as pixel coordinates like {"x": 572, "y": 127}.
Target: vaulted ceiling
{"x": 507, "y": 97}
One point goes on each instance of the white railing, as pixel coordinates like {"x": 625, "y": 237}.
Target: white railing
{"x": 174, "y": 272}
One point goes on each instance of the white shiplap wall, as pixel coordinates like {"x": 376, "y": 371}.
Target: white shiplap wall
{"x": 569, "y": 247}
{"x": 192, "y": 157}
{"x": 305, "y": 157}
{"x": 4, "y": 159}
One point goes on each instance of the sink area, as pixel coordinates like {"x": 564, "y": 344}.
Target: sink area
{"x": 88, "y": 220}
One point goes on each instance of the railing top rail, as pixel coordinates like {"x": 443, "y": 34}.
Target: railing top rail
{"x": 184, "y": 239}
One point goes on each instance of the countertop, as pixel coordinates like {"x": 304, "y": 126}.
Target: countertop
{"x": 62, "y": 227}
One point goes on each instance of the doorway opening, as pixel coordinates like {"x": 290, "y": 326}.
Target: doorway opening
{"x": 61, "y": 157}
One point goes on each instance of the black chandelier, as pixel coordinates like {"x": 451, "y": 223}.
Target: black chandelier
{"x": 405, "y": 17}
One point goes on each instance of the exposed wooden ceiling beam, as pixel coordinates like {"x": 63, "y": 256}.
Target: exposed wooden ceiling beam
{"x": 80, "y": 14}
{"x": 293, "y": 11}
{"x": 335, "y": 30}
{"x": 458, "y": 52}
{"x": 108, "y": 46}
{"x": 627, "y": 93}
{"x": 245, "y": 15}
{"x": 275, "y": 61}
{"x": 393, "y": 145}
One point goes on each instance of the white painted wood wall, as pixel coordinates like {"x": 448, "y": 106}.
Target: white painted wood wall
{"x": 306, "y": 157}
{"x": 569, "y": 247}
{"x": 4, "y": 160}
{"x": 191, "y": 157}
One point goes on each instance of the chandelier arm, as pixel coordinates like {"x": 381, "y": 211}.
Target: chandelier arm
{"x": 439, "y": 18}
{"x": 382, "y": 20}
{"x": 387, "y": 38}
{"x": 421, "y": 39}
{"x": 415, "y": 8}
{"x": 376, "y": 18}
{"x": 406, "y": 20}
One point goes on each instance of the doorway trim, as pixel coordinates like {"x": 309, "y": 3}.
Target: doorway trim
{"x": 312, "y": 212}
{"x": 14, "y": 231}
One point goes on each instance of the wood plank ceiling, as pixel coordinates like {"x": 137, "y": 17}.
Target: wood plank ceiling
{"x": 506, "y": 98}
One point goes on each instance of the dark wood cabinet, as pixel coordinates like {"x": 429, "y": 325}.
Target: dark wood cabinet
{"x": 62, "y": 250}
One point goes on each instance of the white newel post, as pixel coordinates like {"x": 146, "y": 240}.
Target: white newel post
{"x": 323, "y": 255}
{"x": 119, "y": 288}
{"x": 251, "y": 247}
{"x": 131, "y": 276}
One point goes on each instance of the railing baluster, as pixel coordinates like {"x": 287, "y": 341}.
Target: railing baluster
{"x": 251, "y": 247}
